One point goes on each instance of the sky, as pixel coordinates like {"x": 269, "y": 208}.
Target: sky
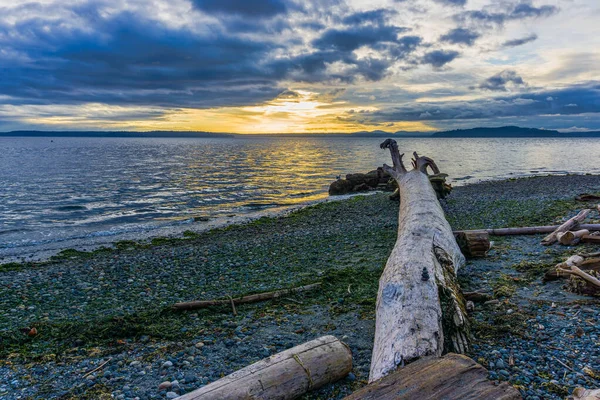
{"x": 282, "y": 66}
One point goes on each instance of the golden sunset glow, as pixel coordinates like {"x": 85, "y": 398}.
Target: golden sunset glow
{"x": 302, "y": 112}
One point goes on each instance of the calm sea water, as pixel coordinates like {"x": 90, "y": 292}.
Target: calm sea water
{"x": 57, "y": 190}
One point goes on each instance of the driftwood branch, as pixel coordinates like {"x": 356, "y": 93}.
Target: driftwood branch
{"x": 253, "y": 298}
{"x": 399, "y": 167}
{"x": 572, "y": 222}
{"x": 421, "y": 163}
{"x": 529, "y": 230}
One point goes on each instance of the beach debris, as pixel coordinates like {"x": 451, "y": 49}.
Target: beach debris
{"x": 285, "y": 375}
{"x": 477, "y": 297}
{"x": 570, "y": 223}
{"x": 416, "y": 316}
{"x": 570, "y": 238}
{"x": 98, "y": 368}
{"x": 32, "y": 332}
{"x": 587, "y": 197}
{"x": 585, "y": 394}
{"x": 473, "y": 244}
{"x": 529, "y": 230}
{"x": 253, "y": 298}
{"x": 453, "y": 376}
{"x": 583, "y": 274}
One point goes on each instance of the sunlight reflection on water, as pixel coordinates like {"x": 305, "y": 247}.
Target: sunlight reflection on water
{"x": 79, "y": 186}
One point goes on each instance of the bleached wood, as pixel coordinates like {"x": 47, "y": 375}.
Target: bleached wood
{"x": 283, "y": 376}
{"x": 571, "y": 237}
{"x": 422, "y": 266}
{"x": 529, "y": 230}
{"x": 572, "y": 222}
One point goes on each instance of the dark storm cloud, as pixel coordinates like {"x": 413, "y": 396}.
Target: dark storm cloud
{"x": 499, "y": 81}
{"x": 517, "y": 11}
{"x": 521, "y": 41}
{"x": 460, "y": 36}
{"x": 575, "y": 100}
{"x": 245, "y": 8}
{"x": 439, "y": 58}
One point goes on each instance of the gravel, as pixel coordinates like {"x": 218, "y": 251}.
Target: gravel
{"x": 111, "y": 307}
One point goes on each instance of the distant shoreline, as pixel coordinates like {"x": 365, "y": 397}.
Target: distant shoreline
{"x": 496, "y": 132}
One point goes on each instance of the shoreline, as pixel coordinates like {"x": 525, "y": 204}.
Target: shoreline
{"x": 41, "y": 252}
{"x": 114, "y": 305}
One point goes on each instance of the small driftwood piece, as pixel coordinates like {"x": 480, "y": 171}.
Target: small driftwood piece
{"x": 585, "y": 394}
{"x": 477, "y": 297}
{"x": 571, "y": 223}
{"x": 587, "y": 197}
{"x": 574, "y": 270}
{"x": 473, "y": 243}
{"x": 585, "y": 264}
{"x": 590, "y": 239}
{"x": 283, "y": 376}
{"x": 450, "y": 377}
{"x": 253, "y": 298}
{"x": 571, "y": 237}
{"x": 529, "y": 230}
{"x": 420, "y": 310}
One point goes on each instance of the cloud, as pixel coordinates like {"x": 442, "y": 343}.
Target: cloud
{"x": 460, "y": 36}
{"x": 352, "y": 38}
{"x": 500, "y": 81}
{"x": 439, "y": 58}
{"x": 532, "y": 105}
{"x": 452, "y": 2}
{"x": 521, "y": 41}
{"x": 244, "y": 8}
{"x": 378, "y": 17}
{"x": 514, "y": 12}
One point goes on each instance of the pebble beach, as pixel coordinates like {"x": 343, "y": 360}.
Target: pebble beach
{"x": 104, "y": 327}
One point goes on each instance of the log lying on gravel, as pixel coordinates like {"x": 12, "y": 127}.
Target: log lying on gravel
{"x": 583, "y": 275}
{"x": 473, "y": 243}
{"x": 568, "y": 225}
{"x": 585, "y": 394}
{"x": 571, "y": 237}
{"x": 253, "y": 298}
{"x": 420, "y": 310}
{"x": 283, "y": 376}
{"x": 530, "y": 230}
{"x": 450, "y": 377}
{"x": 590, "y": 239}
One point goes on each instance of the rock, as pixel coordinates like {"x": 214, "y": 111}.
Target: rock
{"x": 167, "y": 364}
{"x": 339, "y": 187}
{"x": 164, "y": 386}
{"x": 135, "y": 364}
{"x": 500, "y": 364}
{"x": 363, "y": 187}
{"x": 199, "y": 345}
{"x": 172, "y": 395}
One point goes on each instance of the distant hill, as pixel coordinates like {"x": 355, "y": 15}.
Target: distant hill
{"x": 117, "y": 134}
{"x": 381, "y": 134}
{"x": 510, "y": 132}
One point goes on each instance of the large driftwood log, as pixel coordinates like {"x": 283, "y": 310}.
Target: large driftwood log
{"x": 283, "y": 376}
{"x": 530, "y": 230}
{"x": 572, "y": 222}
{"x": 252, "y": 298}
{"x": 450, "y": 377}
{"x": 420, "y": 310}
{"x": 571, "y": 237}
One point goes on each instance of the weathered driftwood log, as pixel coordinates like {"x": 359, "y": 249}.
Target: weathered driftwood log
{"x": 571, "y": 223}
{"x": 286, "y": 375}
{"x": 530, "y": 230}
{"x": 473, "y": 243}
{"x": 450, "y": 377}
{"x": 420, "y": 310}
{"x": 571, "y": 237}
{"x": 253, "y": 298}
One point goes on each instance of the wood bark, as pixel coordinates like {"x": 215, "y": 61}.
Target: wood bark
{"x": 529, "y": 230}
{"x": 571, "y": 237}
{"x": 253, "y": 298}
{"x": 591, "y": 239}
{"x": 473, "y": 243}
{"x": 420, "y": 310}
{"x": 572, "y": 222}
{"x": 283, "y": 376}
{"x": 451, "y": 377}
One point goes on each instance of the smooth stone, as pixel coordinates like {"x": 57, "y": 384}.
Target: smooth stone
{"x": 164, "y": 386}
{"x": 167, "y": 364}
{"x": 172, "y": 395}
